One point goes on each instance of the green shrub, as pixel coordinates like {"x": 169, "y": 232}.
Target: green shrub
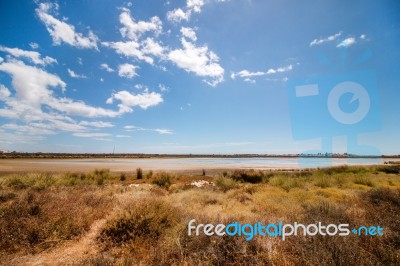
{"x": 225, "y": 184}
{"x": 390, "y": 169}
{"x": 162, "y": 180}
{"x": 250, "y": 176}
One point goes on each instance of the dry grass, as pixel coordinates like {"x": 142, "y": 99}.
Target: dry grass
{"x": 146, "y": 223}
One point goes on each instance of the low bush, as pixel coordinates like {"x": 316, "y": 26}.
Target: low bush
{"x": 162, "y": 180}
{"x": 146, "y": 219}
{"x": 250, "y": 176}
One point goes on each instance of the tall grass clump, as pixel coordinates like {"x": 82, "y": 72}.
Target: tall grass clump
{"x": 363, "y": 180}
{"x": 225, "y": 184}
{"x": 100, "y": 175}
{"x": 149, "y": 174}
{"x": 37, "y": 181}
{"x": 139, "y": 173}
{"x": 323, "y": 181}
{"x": 286, "y": 182}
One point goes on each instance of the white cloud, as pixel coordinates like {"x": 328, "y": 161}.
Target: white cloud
{"x": 192, "y": 6}
{"x": 161, "y": 131}
{"x": 133, "y": 30}
{"x": 133, "y": 127}
{"x": 189, "y": 33}
{"x": 150, "y": 47}
{"x": 74, "y": 75}
{"x": 162, "y": 87}
{"x": 280, "y": 69}
{"x": 127, "y": 71}
{"x": 31, "y": 83}
{"x": 32, "y": 86}
{"x": 136, "y": 48}
{"x": 140, "y": 87}
{"x": 248, "y": 76}
{"x": 106, "y": 67}
{"x": 122, "y": 136}
{"x": 91, "y": 135}
{"x": 61, "y": 31}
{"x": 324, "y": 40}
{"x": 99, "y": 124}
{"x": 195, "y": 5}
{"x": 177, "y": 15}
{"x": 34, "y": 45}
{"x": 128, "y": 100}
{"x": 198, "y": 60}
{"x": 164, "y": 131}
{"x": 36, "y": 111}
{"x": 30, "y": 129}
{"x": 347, "y": 42}
{"x": 129, "y": 49}
{"x": 250, "y": 80}
{"x": 4, "y": 92}
{"x": 32, "y": 56}
{"x": 1, "y": 59}
{"x": 78, "y": 108}
{"x": 363, "y": 37}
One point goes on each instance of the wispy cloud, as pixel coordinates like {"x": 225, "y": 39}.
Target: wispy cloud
{"x": 249, "y": 76}
{"x": 33, "y": 45}
{"x": 91, "y": 135}
{"x": 105, "y": 67}
{"x": 326, "y": 39}
{"x": 72, "y": 74}
{"x": 347, "y": 42}
{"x": 122, "y": 136}
{"x": 161, "y": 131}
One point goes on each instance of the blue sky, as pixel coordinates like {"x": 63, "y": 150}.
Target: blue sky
{"x": 197, "y": 76}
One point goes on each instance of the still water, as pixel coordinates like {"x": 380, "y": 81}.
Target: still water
{"x": 212, "y": 163}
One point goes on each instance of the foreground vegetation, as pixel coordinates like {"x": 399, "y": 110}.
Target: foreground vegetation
{"x": 144, "y": 216}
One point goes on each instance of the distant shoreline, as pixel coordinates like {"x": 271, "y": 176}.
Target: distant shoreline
{"x": 182, "y": 164}
{"x": 39, "y": 155}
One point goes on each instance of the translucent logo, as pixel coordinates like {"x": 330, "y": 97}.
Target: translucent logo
{"x": 338, "y": 104}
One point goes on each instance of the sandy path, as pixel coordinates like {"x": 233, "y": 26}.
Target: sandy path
{"x": 69, "y": 253}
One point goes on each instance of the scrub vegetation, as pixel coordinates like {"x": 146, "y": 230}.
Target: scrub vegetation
{"x": 141, "y": 218}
